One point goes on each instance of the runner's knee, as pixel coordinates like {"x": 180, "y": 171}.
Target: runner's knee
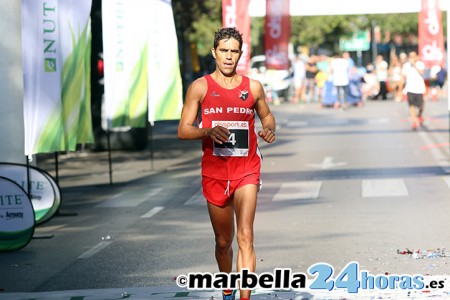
{"x": 223, "y": 244}
{"x": 245, "y": 238}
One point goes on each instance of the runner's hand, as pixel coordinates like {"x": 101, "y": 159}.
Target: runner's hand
{"x": 267, "y": 134}
{"x": 219, "y": 134}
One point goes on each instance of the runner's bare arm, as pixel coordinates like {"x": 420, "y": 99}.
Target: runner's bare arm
{"x": 186, "y": 128}
{"x": 263, "y": 111}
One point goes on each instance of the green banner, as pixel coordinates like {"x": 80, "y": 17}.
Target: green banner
{"x": 165, "y": 91}
{"x": 360, "y": 41}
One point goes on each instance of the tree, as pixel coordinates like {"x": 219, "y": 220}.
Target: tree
{"x": 318, "y": 31}
{"x": 197, "y": 20}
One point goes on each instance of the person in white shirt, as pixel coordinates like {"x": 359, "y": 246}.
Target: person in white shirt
{"x": 299, "y": 79}
{"x": 415, "y": 87}
{"x": 339, "y": 70}
{"x": 381, "y": 70}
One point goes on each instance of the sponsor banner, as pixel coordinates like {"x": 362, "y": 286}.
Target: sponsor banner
{"x": 16, "y": 216}
{"x": 75, "y": 39}
{"x": 431, "y": 34}
{"x": 43, "y": 118}
{"x": 165, "y": 91}
{"x": 44, "y": 192}
{"x": 235, "y": 14}
{"x": 56, "y": 42}
{"x": 125, "y": 39}
{"x": 277, "y": 33}
{"x": 359, "y": 41}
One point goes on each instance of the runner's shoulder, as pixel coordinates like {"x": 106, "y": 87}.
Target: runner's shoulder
{"x": 256, "y": 87}
{"x": 198, "y": 88}
{"x": 255, "y": 84}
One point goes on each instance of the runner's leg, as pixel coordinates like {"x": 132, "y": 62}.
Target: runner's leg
{"x": 222, "y": 220}
{"x": 244, "y": 200}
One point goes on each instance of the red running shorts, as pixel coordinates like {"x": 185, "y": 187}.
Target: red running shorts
{"x": 217, "y": 191}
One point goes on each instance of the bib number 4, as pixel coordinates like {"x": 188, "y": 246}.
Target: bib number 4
{"x": 238, "y": 140}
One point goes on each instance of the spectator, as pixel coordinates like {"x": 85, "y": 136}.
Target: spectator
{"x": 441, "y": 78}
{"x": 437, "y": 80}
{"x": 321, "y": 78}
{"x": 415, "y": 88}
{"x": 354, "y": 94}
{"x": 403, "y": 58}
{"x": 323, "y": 63}
{"x": 299, "y": 79}
{"x": 351, "y": 62}
{"x": 395, "y": 77}
{"x": 339, "y": 70}
{"x": 370, "y": 86}
{"x": 311, "y": 71}
{"x": 381, "y": 70}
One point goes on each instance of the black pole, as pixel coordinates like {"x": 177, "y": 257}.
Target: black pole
{"x": 109, "y": 156}
{"x": 56, "y": 168}
{"x": 152, "y": 150}
{"x": 374, "y": 42}
{"x": 28, "y": 178}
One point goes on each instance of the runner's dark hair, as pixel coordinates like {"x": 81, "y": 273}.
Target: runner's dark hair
{"x": 227, "y": 33}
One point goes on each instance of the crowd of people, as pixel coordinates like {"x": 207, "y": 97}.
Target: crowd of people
{"x": 337, "y": 82}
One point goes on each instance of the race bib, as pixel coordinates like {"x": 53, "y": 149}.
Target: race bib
{"x": 238, "y": 140}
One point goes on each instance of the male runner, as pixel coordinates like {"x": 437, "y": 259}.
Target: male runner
{"x": 415, "y": 87}
{"x": 226, "y": 103}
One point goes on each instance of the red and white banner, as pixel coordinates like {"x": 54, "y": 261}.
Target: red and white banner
{"x": 235, "y": 14}
{"x": 431, "y": 34}
{"x": 277, "y": 33}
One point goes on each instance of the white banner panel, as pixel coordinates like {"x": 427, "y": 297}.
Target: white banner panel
{"x": 44, "y": 130}
{"x": 56, "y": 43}
{"x": 75, "y": 40}
{"x": 165, "y": 91}
{"x": 125, "y": 62}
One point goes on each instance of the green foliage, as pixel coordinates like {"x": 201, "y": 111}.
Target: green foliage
{"x": 257, "y": 35}
{"x": 203, "y": 33}
{"x": 197, "y": 20}
{"x": 397, "y": 23}
{"x": 315, "y": 31}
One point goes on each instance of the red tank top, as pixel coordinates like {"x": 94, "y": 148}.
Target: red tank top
{"x": 233, "y": 109}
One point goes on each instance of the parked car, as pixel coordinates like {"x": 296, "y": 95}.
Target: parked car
{"x": 280, "y": 81}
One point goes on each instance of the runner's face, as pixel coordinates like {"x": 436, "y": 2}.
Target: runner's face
{"x": 227, "y": 55}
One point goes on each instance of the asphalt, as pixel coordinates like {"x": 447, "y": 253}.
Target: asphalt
{"x": 85, "y": 170}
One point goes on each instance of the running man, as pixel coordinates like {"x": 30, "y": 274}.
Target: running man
{"x": 226, "y": 103}
{"x": 415, "y": 88}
